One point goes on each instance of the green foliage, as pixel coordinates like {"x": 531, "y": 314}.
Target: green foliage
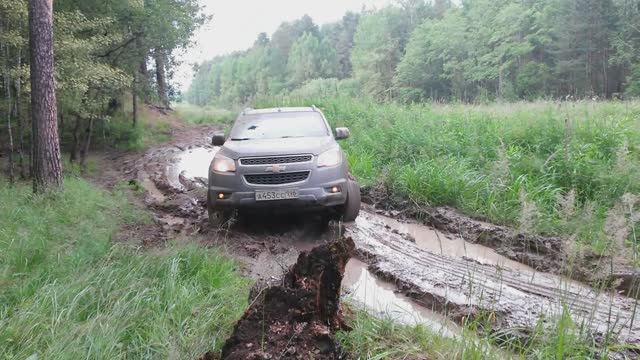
{"x": 101, "y": 52}
{"x": 492, "y": 160}
{"x": 204, "y": 115}
{"x": 378, "y": 47}
{"x": 383, "y": 338}
{"x": 311, "y": 58}
{"x": 85, "y": 86}
{"x": 327, "y": 88}
{"x": 68, "y": 292}
{"x": 374, "y": 338}
{"x": 472, "y": 51}
{"x": 633, "y": 82}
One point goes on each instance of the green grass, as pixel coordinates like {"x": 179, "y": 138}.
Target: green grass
{"x": 375, "y": 337}
{"x": 379, "y": 338}
{"x": 204, "y": 115}
{"x": 150, "y": 130}
{"x": 545, "y": 167}
{"x": 68, "y": 292}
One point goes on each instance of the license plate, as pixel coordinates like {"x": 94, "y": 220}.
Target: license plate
{"x": 276, "y": 195}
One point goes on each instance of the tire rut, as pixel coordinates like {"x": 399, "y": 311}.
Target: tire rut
{"x": 520, "y": 299}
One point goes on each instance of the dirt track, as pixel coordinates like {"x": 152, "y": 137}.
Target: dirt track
{"x": 437, "y": 269}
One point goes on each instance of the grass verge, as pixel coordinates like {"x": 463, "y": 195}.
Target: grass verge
{"x": 68, "y": 292}
{"x": 381, "y": 338}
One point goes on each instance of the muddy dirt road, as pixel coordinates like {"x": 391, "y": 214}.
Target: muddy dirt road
{"x": 404, "y": 269}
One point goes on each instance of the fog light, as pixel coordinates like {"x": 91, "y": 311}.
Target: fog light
{"x": 335, "y": 189}
{"x": 221, "y": 196}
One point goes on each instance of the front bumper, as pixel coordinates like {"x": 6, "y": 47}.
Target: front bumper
{"x": 314, "y": 192}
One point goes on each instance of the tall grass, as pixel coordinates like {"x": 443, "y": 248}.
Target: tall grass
{"x": 381, "y": 338}
{"x": 67, "y": 292}
{"x": 204, "y": 115}
{"x": 510, "y": 163}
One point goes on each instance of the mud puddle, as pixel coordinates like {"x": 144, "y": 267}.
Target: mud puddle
{"x": 434, "y": 241}
{"x": 191, "y": 165}
{"x": 382, "y": 298}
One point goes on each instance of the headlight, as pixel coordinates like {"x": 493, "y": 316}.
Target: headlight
{"x": 331, "y": 157}
{"x": 223, "y": 164}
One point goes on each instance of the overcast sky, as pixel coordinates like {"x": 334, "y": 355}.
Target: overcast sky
{"x": 237, "y": 23}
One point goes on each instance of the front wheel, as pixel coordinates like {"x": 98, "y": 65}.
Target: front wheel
{"x": 217, "y": 217}
{"x": 352, "y": 206}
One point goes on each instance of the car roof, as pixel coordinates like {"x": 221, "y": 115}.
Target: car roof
{"x": 279, "y": 110}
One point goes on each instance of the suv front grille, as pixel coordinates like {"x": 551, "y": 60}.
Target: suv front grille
{"x": 275, "y": 160}
{"x": 277, "y": 179}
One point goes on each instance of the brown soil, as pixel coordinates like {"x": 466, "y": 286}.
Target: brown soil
{"x": 297, "y": 319}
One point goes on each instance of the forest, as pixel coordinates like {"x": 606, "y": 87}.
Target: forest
{"x": 103, "y": 50}
{"x": 416, "y": 51}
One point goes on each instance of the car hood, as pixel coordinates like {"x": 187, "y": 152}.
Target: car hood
{"x": 263, "y": 147}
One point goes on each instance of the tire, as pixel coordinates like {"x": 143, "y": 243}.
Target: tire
{"x": 217, "y": 217}
{"x": 352, "y": 206}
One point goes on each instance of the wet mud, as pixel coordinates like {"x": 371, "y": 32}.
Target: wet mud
{"x": 383, "y": 298}
{"x": 298, "y": 318}
{"x": 453, "y": 270}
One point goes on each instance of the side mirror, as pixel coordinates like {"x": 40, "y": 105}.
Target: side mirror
{"x": 342, "y": 133}
{"x": 218, "y": 138}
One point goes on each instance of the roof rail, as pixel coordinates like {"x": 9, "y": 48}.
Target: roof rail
{"x": 314, "y": 108}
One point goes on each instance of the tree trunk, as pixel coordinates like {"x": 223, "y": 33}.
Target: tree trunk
{"x": 85, "y": 147}
{"x": 161, "y": 60}
{"x": 73, "y": 156}
{"x": 47, "y": 170}
{"x": 7, "y": 83}
{"x": 142, "y": 74}
{"x": 134, "y": 92}
{"x": 18, "y": 117}
{"x": 144, "y": 83}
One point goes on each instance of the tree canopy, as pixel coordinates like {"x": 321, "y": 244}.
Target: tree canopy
{"x": 417, "y": 50}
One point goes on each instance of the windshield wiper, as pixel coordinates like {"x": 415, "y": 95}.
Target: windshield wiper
{"x": 291, "y": 136}
{"x": 240, "y": 139}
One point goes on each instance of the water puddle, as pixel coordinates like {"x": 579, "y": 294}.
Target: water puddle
{"x": 380, "y": 297}
{"x": 436, "y": 242}
{"x": 191, "y": 164}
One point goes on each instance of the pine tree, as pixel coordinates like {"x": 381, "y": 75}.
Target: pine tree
{"x": 47, "y": 170}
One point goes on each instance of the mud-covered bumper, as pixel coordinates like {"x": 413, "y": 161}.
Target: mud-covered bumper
{"x": 314, "y": 193}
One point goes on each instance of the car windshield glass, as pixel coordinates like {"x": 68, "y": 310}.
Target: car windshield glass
{"x": 279, "y": 125}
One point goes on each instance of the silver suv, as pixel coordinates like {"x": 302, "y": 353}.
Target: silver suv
{"x": 281, "y": 159}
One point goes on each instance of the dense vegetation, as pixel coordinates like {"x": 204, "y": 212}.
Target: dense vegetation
{"x": 418, "y": 50}
{"x": 103, "y": 50}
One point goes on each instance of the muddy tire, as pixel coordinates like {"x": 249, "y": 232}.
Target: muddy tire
{"x": 217, "y": 217}
{"x": 352, "y": 206}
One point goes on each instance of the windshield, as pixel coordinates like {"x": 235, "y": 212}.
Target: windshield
{"x": 279, "y": 125}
